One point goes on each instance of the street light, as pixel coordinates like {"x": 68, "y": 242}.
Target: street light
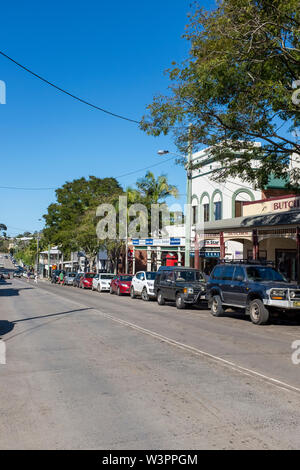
{"x": 188, "y": 225}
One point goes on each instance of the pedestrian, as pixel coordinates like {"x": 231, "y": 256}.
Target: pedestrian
{"x": 28, "y": 276}
{"x": 35, "y": 278}
{"x": 61, "y": 278}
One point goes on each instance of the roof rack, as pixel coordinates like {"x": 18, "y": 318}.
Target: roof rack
{"x": 261, "y": 262}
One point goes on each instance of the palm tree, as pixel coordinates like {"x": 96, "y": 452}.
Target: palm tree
{"x": 155, "y": 191}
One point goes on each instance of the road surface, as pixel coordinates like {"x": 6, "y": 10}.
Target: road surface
{"x": 94, "y": 371}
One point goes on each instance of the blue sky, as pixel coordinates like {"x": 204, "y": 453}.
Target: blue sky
{"x": 111, "y": 53}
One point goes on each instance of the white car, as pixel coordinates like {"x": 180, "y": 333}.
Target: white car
{"x": 142, "y": 284}
{"x": 101, "y": 282}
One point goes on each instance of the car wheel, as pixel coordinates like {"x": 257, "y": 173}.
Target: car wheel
{"x": 216, "y": 306}
{"x": 180, "y": 302}
{"x": 132, "y": 294}
{"x": 145, "y": 295}
{"x": 259, "y": 314}
{"x": 160, "y": 299}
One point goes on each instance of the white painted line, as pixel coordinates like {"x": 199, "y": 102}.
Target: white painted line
{"x": 233, "y": 366}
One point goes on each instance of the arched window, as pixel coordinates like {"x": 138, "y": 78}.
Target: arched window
{"x": 239, "y": 197}
{"x": 205, "y": 207}
{"x": 217, "y": 205}
{"x": 195, "y": 209}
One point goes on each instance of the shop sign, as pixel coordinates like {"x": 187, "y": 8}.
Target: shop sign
{"x": 209, "y": 254}
{"x": 157, "y": 241}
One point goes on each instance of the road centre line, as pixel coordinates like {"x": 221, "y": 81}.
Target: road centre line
{"x": 198, "y": 352}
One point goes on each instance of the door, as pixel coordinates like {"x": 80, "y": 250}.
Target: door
{"x": 138, "y": 285}
{"x": 239, "y": 291}
{"x": 226, "y": 283}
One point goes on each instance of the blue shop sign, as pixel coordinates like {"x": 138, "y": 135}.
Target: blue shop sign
{"x": 175, "y": 241}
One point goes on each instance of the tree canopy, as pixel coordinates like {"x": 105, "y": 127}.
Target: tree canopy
{"x": 236, "y": 88}
{"x": 71, "y": 221}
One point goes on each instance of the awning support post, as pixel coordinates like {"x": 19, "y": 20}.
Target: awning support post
{"x": 255, "y": 243}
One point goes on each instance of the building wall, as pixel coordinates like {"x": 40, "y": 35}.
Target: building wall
{"x": 204, "y": 190}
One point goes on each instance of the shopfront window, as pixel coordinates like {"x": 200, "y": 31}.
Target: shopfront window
{"x": 286, "y": 263}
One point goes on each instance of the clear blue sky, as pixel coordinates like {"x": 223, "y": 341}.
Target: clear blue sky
{"x": 110, "y": 53}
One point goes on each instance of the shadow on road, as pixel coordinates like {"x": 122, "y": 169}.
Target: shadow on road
{"x": 10, "y": 291}
{"x": 52, "y": 315}
{"x": 5, "y": 327}
{"x": 41, "y": 317}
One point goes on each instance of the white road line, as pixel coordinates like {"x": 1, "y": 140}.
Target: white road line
{"x": 233, "y": 366}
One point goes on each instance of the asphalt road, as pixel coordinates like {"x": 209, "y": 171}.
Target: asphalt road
{"x": 94, "y": 371}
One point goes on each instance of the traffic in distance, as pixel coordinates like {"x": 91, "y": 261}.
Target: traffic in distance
{"x": 254, "y": 288}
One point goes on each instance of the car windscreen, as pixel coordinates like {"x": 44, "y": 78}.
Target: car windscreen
{"x": 125, "y": 278}
{"x": 188, "y": 276}
{"x": 150, "y": 276}
{"x": 261, "y": 273}
{"x": 71, "y": 274}
{"x": 106, "y": 276}
{"x": 90, "y": 275}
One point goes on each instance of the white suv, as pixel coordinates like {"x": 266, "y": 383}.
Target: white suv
{"x": 143, "y": 284}
{"x": 101, "y": 282}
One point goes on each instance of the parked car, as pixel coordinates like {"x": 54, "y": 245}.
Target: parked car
{"x": 256, "y": 288}
{"x": 143, "y": 285}
{"x": 17, "y": 274}
{"x": 101, "y": 282}
{"x": 76, "y": 279}
{"x": 5, "y": 275}
{"x": 121, "y": 284}
{"x": 69, "y": 278}
{"x": 86, "y": 280}
{"x": 184, "y": 286}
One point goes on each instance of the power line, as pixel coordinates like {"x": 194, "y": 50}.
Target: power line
{"x": 67, "y": 92}
{"x": 116, "y": 177}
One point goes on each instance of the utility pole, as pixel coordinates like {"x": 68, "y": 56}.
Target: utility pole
{"x": 48, "y": 261}
{"x": 126, "y": 245}
{"x": 37, "y": 253}
{"x": 187, "y": 261}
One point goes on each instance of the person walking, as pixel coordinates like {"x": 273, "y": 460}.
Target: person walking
{"x": 61, "y": 278}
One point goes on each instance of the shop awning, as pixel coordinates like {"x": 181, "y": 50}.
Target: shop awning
{"x": 267, "y": 220}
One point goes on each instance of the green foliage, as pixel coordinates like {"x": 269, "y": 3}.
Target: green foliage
{"x": 235, "y": 88}
{"x": 150, "y": 190}
{"x": 71, "y": 221}
{"x": 27, "y": 252}
{"x": 4, "y": 245}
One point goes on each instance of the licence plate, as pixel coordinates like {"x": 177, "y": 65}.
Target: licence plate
{"x": 296, "y": 304}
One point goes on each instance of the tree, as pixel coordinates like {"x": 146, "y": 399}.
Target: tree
{"x": 235, "y": 88}
{"x": 71, "y": 221}
{"x": 155, "y": 191}
{"x": 150, "y": 190}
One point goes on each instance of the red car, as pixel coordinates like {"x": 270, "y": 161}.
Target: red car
{"x": 86, "y": 280}
{"x": 121, "y": 284}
